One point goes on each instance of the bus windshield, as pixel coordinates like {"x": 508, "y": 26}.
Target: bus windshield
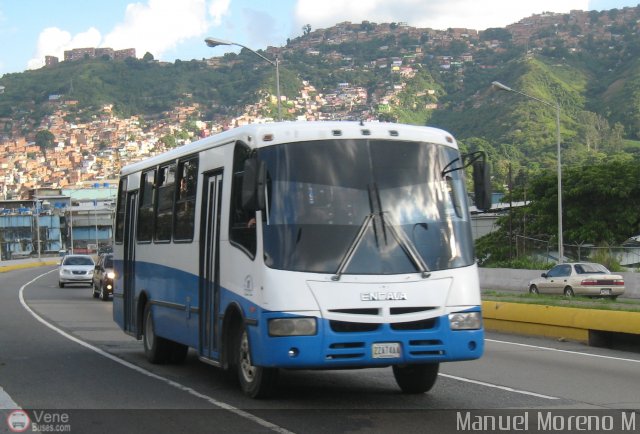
{"x": 327, "y": 197}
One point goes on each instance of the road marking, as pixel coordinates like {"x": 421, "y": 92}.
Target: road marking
{"x": 495, "y": 386}
{"x": 189, "y": 390}
{"x": 622, "y": 359}
{"x": 6, "y": 403}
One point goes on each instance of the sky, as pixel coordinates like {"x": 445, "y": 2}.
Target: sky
{"x": 175, "y": 29}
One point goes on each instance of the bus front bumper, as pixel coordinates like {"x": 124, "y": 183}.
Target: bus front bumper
{"x": 339, "y": 346}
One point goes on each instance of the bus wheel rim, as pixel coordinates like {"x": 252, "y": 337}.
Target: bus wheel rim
{"x": 248, "y": 370}
{"x": 148, "y": 331}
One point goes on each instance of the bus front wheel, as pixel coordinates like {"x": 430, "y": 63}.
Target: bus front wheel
{"x": 416, "y": 378}
{"x": 255, "y": 381}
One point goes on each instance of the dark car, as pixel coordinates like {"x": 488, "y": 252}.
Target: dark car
{"x": 103, "y": 275}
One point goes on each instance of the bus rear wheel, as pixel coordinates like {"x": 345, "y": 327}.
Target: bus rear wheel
{"x": 157, "y": 349}
{"x": 416, "y": 378}
{"x": 255, "y": 381}
{"x": 160, "y": 350}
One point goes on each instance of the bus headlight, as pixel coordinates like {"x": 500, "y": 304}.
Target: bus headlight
{"x": 465, "y": 320}
{"x": 292, "y": 327}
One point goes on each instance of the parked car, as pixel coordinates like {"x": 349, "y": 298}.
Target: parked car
{"x": 103, "y": 275}
{"x": 579, "y": 278}
{"x": 76, "y": 269}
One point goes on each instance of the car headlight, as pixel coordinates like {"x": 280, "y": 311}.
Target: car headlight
{"x": 465, "y": 320}
{"x": 292, "y": 327}
{"x": 111, "y": 275}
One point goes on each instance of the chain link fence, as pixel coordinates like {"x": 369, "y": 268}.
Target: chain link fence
{"x": 618, "y": 258}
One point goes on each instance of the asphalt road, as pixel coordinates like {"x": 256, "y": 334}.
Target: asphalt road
{"x": 61, "y": 354}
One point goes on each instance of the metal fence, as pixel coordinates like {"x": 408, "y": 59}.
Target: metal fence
{"x": 545, "y": 251}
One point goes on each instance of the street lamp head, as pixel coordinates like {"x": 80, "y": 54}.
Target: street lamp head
{"x": 215, "y": 42}
{"x": 501, "y": 86}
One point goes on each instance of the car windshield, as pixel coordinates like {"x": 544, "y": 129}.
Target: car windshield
{"x": 108, "y": 262}
{"x": 320, "y": 194}
{"x": 78, "y": 260}
{"x": 591, "y": 269}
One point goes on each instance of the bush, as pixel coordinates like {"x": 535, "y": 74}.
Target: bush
{"x": 519, "y": 263}
{"x": 606, "y": 258}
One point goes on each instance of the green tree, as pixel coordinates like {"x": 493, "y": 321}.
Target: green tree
{"x": 600, "y": 206}
{"x": 45, "y": 140}
{"x": 169, "y": 141}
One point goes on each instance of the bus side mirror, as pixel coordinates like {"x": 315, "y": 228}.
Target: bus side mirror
{"x": 253, "y": 184}
{"x": 482, "y": 184}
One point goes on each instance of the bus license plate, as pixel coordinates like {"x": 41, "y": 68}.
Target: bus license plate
{"x": 386, "y": 350}
{"x": 605, "y": 291}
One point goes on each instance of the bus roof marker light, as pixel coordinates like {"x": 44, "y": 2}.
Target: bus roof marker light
{"x": 267, "y": 138}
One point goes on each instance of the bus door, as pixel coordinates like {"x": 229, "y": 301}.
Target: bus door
{"x": 210, "y": 263}
{"x": 130, "y": 263}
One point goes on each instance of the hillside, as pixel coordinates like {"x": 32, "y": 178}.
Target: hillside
{"x": 585, "y": 61}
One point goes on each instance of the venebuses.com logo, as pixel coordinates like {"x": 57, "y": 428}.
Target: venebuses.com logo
{"x": 18, "y": 421}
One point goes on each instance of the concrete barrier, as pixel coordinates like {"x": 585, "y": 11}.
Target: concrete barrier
{"x": 558, "y": 322}
{"x": 18, "y": 264}
{"x": 509, "y": 279}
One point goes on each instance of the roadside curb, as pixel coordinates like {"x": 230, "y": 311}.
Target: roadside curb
{"x": 557, "y": 322}
{"x": 5, "y": 268}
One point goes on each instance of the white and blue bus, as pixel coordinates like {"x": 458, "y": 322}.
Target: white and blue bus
{"x": 303, "y": 245}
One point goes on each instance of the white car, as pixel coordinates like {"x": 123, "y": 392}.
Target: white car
{"x": 579, "y": 278}
{"x": 76, "y": 269}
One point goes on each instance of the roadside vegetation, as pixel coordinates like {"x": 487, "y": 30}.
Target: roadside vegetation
{"x": 561, "y": 301}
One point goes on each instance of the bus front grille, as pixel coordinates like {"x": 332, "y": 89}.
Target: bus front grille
{"x": 352, "y": 327}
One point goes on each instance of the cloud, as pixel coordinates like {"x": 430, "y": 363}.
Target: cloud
{"x": 160, "y": 25}
{"x": 53, "y": 41}
{"x": 259, "y": 26}
{"x": 156, "y": 26}
{"x": 218, "y": 9}
{"x": 435, "y": 14}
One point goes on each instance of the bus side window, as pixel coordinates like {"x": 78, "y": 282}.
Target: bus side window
{"x": 145, "y": 215}
{"x": 120, "y": 210}
{"x": 242, "y": 227}
{"x": 186, "y": 200}
{"x": 164, "y": 198}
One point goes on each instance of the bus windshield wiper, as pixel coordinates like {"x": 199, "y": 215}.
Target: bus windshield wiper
{"x": 346, "y": 259}
{"x": 401, "y": 238}
{"x": 406, "y": 244}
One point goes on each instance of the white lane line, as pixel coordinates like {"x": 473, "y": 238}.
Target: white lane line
{"x": 621, "y": 359}
{"x": 495, "y": 386}
{"x": 6, "y": 403}
{"x": 189, "y": 390}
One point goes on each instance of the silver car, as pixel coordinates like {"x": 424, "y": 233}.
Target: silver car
{"x": 579, "y": 278}
{"x": 76, "y": 269}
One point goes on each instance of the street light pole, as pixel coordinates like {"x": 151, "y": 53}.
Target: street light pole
{"x": 215, "y": 42}
{"x": 71, "y": 221}
{"x": 38, "y": 225}
{"x": 501, "y": 86}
